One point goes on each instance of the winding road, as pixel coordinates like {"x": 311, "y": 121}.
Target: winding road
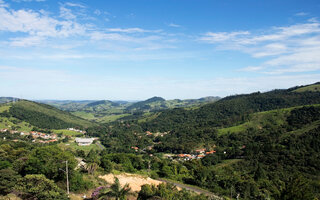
{"x": 194, "y": 189}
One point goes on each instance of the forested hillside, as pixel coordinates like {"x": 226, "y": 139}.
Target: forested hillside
{"x": 266, "y": 144}
{"x": 45, "y": 116}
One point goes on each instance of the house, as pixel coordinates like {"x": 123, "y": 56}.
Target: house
{"x": 210, "y": 152}
{"x": 135, "y": 148}
{"x": 200, "y": 151}
{"x": 200, "y": 156}
{"x": 84, "y": 141}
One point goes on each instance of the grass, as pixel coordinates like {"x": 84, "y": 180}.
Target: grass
{"x": 261, "y": 119}
{"x": 74, "y": 146}
{"x": 67, "y": 132}
{"x": 312, "y": 88}
{"x": 7, "y": 123}
{"x": 226, "y": 163}
{"x": 4, "y": 108}
{"x": 111, "y": 118}
{"x": 148, "y": 117}
{"x": 84, "y": 115}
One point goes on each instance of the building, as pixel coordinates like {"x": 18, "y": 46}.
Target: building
{"x": 84, "y": 141}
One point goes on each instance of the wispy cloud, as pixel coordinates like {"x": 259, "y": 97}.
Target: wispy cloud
{"x": 28, "y": 0}
{"x": 285, "y": 49}
{"x": 301, "y": 14}
{"x": 40, "y": 28}
{"x": 132, "y": 30}
{"x": 174, "y": 25}
{"x": 75, "y": 5}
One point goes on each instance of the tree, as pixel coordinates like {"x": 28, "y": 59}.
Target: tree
{"x": 116, "y": 191}
{"x": 37, "y": 186}
{"x": 106, "y": 164}
{"x": 91, "y": 167}
{"x": 48, "y": 160}
{"x": 8, "y": 179}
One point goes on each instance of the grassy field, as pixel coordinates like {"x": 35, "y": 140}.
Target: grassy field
{"x": 74, "y": 146}
{"x": 4, "y": 108}
{"x": 261, "y": 119}
{"x": 67, "y": 132}
{"x": 111, "y": 118}
{"x": 226, "y": 163}
{"x": 8, "y": 123}
{"x": 312, "y": 88}
{"x": 84, "y": 115}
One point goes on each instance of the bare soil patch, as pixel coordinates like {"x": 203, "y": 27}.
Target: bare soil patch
{"x": 135, "y": 181}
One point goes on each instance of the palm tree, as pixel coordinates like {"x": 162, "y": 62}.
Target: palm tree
{"x": 116, "y": 191}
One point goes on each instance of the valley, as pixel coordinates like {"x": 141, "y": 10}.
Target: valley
{"x": 259, "y": 145}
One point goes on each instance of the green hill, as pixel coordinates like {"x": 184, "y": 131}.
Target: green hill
{"x": 229, "y": 111}
{"x": 45, "y": 116}
{"x": 310, "y": 88}
{"x": 108, "y": 111}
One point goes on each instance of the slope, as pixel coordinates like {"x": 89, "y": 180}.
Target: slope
{"x": 45, "y": 116}
{"x": 229, "y": 111}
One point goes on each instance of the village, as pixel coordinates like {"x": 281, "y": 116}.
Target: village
{"x": 197, "y": 154}
{"x": 45, "y": 138}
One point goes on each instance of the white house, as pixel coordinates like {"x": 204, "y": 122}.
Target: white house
{"x": 84, "y": 141}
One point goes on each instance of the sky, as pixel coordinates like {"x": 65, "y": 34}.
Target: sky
{"x": 137, "y": 49}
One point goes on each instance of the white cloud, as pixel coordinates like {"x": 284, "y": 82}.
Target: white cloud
{"x": 97, "y": 12}
{"x": 212, "y": 37}
{"x": 174, "y": 25}
{"x": 28, "y": 0}
{"x": 301, "y": 14}
{"x": 75, "y": 5}
{"x": 37, "y": 26}
{"x": 27, "y": 41}
{"x": 287, "y": 49}
{"x": 66, "y": 13}
{"x": 132, "y": 30}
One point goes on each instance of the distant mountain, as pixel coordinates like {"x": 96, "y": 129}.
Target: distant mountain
{"x": 107, "y": 111}
{"x": 7, "y": 99}
{"x": 102, "y": 103}
{"x": 149, "y": 104}
{"x": 158, "y": 103}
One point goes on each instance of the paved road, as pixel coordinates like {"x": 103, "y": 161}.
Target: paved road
{"x": 98, "y": 143}
{"x": 194, "y": 189}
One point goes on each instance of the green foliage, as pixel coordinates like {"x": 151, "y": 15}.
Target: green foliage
{"x": 5, "y": 164}
{"x": 106, "y": 164}
{"x": 168, "y": 192}
{"x": 116, "y": 191}
{"x": 8, "y": 179}
{"x": 123, "y": 162}
{"x": 78, "y": 183}
{"x": 39, "y": 187}
{"x": 48, "y": 160}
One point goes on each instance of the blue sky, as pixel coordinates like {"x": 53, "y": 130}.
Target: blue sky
{"x": 136, "y": 49}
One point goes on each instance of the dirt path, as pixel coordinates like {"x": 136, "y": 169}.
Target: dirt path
{"x": 136, "y": 181}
